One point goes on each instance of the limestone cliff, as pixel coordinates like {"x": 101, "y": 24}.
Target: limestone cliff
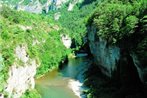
{"x": 21, "y": 76}
{"x": 110, "y": 36}
{"x": 106, "y": 56}
{"x": 38, "y": 6}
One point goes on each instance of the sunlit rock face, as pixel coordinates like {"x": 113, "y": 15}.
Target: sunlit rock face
{"x": 1, "y": 95}
{"x": 66, "y": 41}
{"x": 105, "y": 55}
{"x": 60, "y": 2}
{"x": 35, "y": 6}
{"x": 21, "y": 73}
{"x": 21, "y": 54}
{"x": 72, "y": 4}
{"x": 57, "y": 16}
{"x": 1, "y": 63}
{"x": 20, "y": 79}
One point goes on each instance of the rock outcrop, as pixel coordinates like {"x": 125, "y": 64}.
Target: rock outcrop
{"x": 72, "y": 4}
{"x": 20, "y": 79}
{"x": 21, "y": 74}
{"x": 57, "y": 16}
{"x": 108, "y": 57}
{"x": 66, "y": 40}
{"x": 1, "y": 96}
{"x": 105, "y": 55}
{"x": 1, "y": 63}
{"x": 119, "y": 68}
{"x": 35, "y": 6}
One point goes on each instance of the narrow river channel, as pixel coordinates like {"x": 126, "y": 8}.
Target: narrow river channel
{"x": 64, "y": 83}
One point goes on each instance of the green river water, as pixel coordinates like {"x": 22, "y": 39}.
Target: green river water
{"x": 65, "y": 83}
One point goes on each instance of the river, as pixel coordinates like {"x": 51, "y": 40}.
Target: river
{"x": 64, "y": 83}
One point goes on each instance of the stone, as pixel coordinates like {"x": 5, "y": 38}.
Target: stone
{"x": 1, "y": 95}
{"x": 21, "y": 77}
{"x": 57, "y": 15}
{"x": 66, "y": 41}
{"x": 104, "y": 56}
{"x": 21, "y": 54}
{"x": 72, "y": 4}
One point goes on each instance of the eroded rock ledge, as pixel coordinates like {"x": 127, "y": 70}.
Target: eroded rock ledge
{"x": 21, "y": 75}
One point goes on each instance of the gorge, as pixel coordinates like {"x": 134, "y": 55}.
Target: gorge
{"x": 73, "y": 48}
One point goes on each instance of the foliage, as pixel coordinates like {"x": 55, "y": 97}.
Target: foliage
{"x": 37, "y": 33}
{"x": 15, "y": 2}
{"x": 113, "y": 19}
{"x": 51, "y": 53}
{"x": 122, "y": 22}
{"x": 43, "y": 1}
{"x": 31, "y": 94}
{"x": 74, "y": 21}
{"x": 117, "y": 18}
{"x": 13, "y": 35}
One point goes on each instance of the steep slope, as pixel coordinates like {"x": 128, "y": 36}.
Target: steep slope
{"x": 117, "y": 41}
{"x": 30, "y": 45}
{"x": 75, "y": 21}
{"x": 113, "y": 32}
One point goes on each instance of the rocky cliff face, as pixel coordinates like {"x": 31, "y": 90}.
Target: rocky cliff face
{"x": 21, "y": 75}
{"x": 28, "y": 53}
{"x": 119, "y": 53}
{"x": 105, "y": 55}
{"x": 35, "y": 6}
{"x": 108, "y": 57}
{"x": 120, "y": 69}
{"x": 66, "y": 40}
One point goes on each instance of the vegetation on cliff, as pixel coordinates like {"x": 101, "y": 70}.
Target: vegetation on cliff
{"x": 117, "y": 19}
{"x": 74, "y": 21}
{"x": 40, "y": 35}
{"x": 121, "y": 23}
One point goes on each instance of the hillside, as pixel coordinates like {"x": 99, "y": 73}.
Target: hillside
{"x": 27, "y": 38}
{"x": 38, "y": 37}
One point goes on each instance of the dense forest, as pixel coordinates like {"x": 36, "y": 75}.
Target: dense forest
{"x": 119, "y": 23}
